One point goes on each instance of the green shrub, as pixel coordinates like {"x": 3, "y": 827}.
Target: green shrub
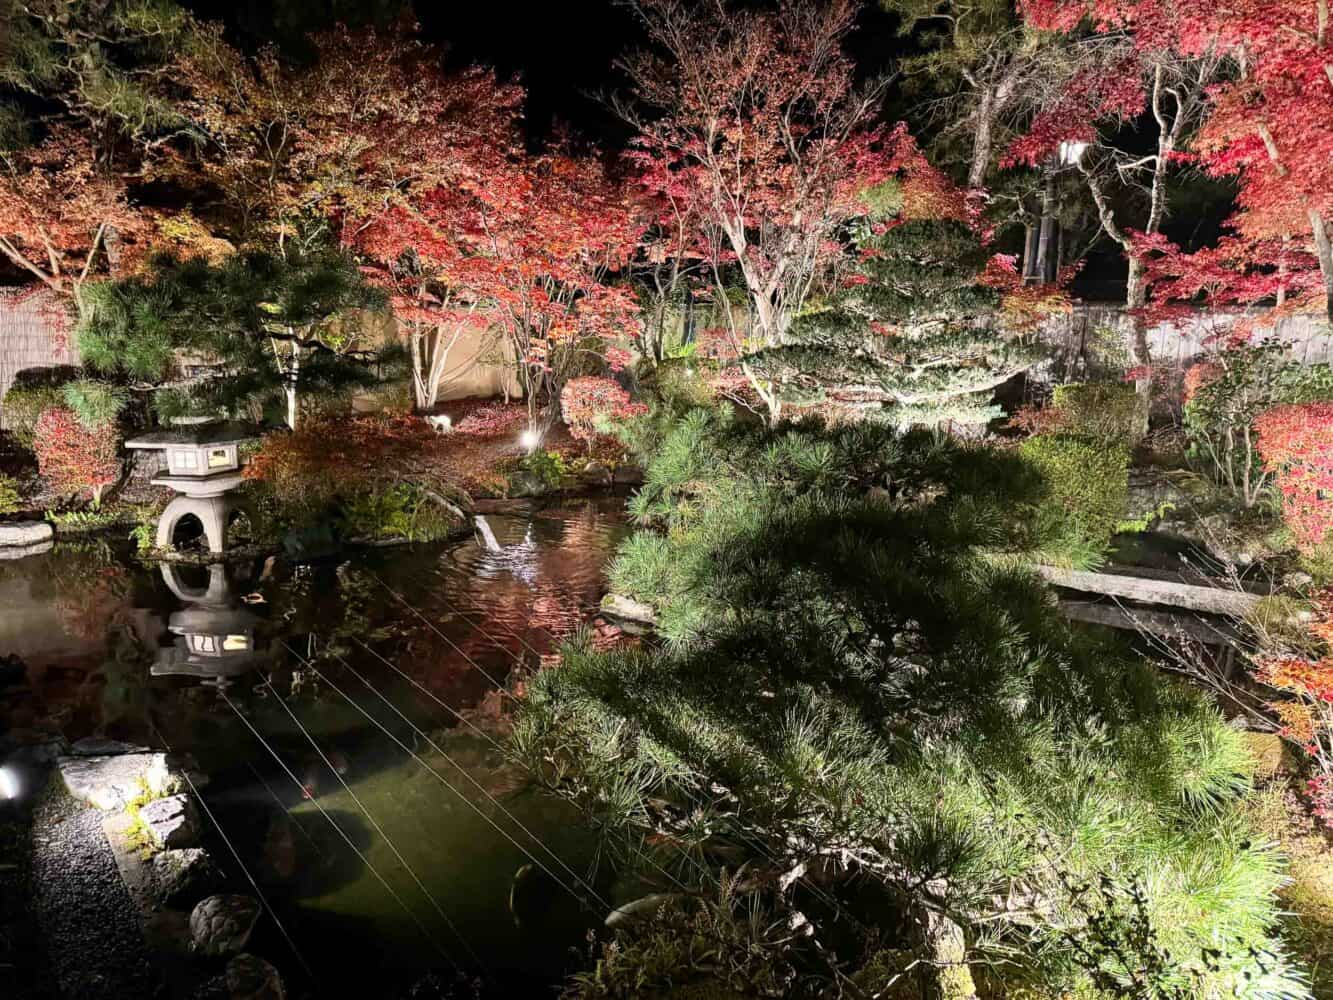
{"x": 547, "y": 466}
{"x": 403, "y": 510}
{"x": 10, "y": 500}
{"x": 1087, "y": 489}
{"x": 34, "y": 391}
{"x": 1101, "y": 410}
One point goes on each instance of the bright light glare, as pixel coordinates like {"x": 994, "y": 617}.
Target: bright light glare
{"x": 529, "y": 439}
{"x": 1071, "y": 152}
{"x": 9, "y": 784}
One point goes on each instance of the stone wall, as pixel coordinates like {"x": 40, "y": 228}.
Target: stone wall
{"x": 34, "y": 333}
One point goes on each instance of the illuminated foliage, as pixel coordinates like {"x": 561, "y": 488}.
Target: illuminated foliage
{"x": 1307, "y": 711}
{"x": 591, "y": 403}
{"x": 753, "y": 122}
{"x": 866, "y": 718}
{"x": 72, "y": 457}
{"x": 1296, "y": 444}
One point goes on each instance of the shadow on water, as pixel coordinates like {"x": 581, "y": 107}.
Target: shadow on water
{"x": 240, "y": 663}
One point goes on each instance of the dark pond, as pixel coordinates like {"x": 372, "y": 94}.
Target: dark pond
{"x": 348, "y": 714}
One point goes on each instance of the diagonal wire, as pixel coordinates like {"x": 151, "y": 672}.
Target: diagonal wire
{"x": 818, "y": 891}
{"x": 492, "y": 740}
{"x": 296, "y": 822}
{"x": 342, "y": 833}
{"x": 378, "y": 829}
{"x": 472, "y": 805}
{"x": 282, "y": 929}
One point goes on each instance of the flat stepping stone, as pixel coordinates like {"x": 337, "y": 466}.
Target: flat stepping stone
{"x": 25, "y": 534}
{"x": 110, "y": 782}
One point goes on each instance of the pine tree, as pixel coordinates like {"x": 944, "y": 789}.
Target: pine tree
{"x": 917, "y": 334}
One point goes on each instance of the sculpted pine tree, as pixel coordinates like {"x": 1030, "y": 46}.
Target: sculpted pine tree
{"x": 925, "y": 324}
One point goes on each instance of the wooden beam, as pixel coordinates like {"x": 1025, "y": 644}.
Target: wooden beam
{"x": 1168, "y": 624}
{"x": 1212, "y": 600}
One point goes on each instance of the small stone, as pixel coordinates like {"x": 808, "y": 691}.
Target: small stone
{"x": 620, "y": 606}
{"x": 221, "y": 925}
{"x": 172, "y": 822}
{"x": 251, "y": 978}
{"x": 596, "y": 474}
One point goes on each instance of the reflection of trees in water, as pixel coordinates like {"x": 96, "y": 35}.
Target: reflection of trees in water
{"x": 83, "y": 580}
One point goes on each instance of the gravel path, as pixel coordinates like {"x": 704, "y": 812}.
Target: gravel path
{"x": 88, "y": 923}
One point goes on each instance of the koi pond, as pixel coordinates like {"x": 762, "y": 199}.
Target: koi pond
{"x": 350, "y": 714}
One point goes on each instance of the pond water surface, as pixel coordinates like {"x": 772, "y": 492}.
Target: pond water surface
{"x": 349, "y": 715}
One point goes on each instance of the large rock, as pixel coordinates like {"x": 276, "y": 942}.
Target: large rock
{"x": 172, "y": 822}
{"x": 112, "y": 781}
{"x": 251, "y": 978}
{"x": 23, "y": 534}
{"x": 92, "y": 746}
{"x": 221, "y": 925}
{"x": 628, "y": 609}
{"x": 523, "y": 483}
{"x": 180, "y": 876}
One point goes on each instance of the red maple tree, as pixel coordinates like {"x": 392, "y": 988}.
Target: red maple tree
{"x": 1306, "y": 712}
{"x": 387, "y": 145}
{"x": 57, "y": 209}
{"x": 1270, "y": 116}
{"x": 753, "y": 123}
{"x": 589, "y": 401}
{"x": 1296, "y": 443}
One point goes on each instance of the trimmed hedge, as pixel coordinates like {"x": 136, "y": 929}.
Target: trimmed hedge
{"x": 1087, "y": 481}
{"x": 1101, "y": 410}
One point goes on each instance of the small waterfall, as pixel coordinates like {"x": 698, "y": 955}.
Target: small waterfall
{"x": 487, "y": 535}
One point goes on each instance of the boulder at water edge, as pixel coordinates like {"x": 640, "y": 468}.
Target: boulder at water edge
{"x": 180, "y": 876}
{"x": 221, "y": 925}
{"x": 172, "y": 822}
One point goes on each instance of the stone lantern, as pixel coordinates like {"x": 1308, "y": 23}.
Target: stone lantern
{"x": 201, "y": 463}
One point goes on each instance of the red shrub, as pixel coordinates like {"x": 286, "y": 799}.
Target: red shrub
{"x": 1199, "y": 375}
{"x": 73, "y": 458}
{"x": 584, "y": 401}
{"x": 1296, "y": 443}
{"x": 1307, "y": 718}
{"x": 492, "y": 420}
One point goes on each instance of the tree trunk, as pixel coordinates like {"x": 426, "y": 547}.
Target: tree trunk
{"x": 981, "y": 140}
{"x": 1140, "y": 352}
{"x": 951, "y": 979}
{"x": 293, "y": 374}
{"x": 1324, "y": 251}
{"x": 1046, "y": 236}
